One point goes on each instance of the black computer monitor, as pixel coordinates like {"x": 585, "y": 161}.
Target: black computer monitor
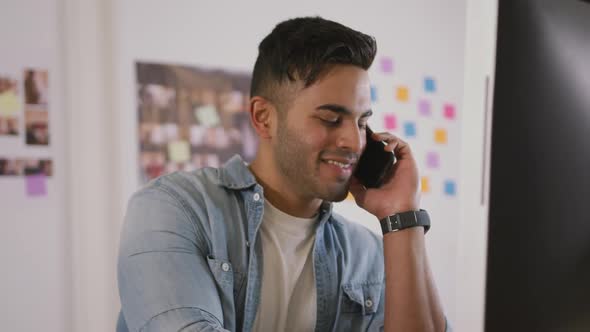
{"x": 538, "y": 272}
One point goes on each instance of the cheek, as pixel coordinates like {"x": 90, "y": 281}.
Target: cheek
{"x": 316, "y": 137}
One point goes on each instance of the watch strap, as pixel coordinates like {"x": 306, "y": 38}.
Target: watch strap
{"x": 403, "y": 220}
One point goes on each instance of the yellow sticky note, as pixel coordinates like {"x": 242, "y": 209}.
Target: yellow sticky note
{"x": 9, "y": 103}
{"x": 425, "y": 184}
{"x": 207, "y": 116}
{"x": 179, "y": 151}
{"x": 403, "y": 94}
{"x": 440, "y": 136}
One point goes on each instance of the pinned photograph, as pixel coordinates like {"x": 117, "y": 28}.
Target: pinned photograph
{"x": 37, "y": 106}
{"x": 25, "y": 167}
{"x": 36, "y": 87}
{"x": 10, "y": 107}
{"x": 37, "y": 127}
{"x": 11, "y": 167}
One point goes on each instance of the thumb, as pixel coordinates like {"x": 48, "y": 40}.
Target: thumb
{"x": 357, "y": 190}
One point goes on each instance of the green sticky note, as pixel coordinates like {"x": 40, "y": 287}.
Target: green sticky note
{"x": 9, "y": 103}
{"x": 179, "y": 151}
{"x": 207, "y": 116}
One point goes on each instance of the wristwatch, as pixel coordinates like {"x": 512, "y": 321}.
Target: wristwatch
{"x": 404, "y": 220}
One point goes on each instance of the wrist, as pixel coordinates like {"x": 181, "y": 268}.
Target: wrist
{"x": 408, "y": 234}
{"x": 404, "y": 220}
{"x": 390, "y": 211}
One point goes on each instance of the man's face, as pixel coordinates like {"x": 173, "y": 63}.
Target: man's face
{"x": 322, "y": 135}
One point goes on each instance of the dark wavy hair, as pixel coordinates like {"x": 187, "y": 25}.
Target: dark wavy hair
{"x": 303, "y": 49}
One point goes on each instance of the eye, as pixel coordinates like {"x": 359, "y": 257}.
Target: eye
{"x": 363, "y": 125}
{"x": 331, "y": 122}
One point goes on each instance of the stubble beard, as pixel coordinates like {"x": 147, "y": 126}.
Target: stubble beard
{"x": 291, "y": 154}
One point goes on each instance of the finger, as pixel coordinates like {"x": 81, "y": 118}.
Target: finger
{"x": 357, "y": 190}
{"x": 390, "y": 146}
{"x": 386, "y": 137}
{"x": 390, "y": 140}
{"x": 399, "y": 147}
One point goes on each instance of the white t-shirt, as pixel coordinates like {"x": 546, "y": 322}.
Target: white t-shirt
{"x": 288, "y": 291}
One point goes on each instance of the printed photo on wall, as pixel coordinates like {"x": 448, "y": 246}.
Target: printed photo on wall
{"x": 36, "y": 87}
{"x": 36, "y": 124}
{"x": 25, "y": 166}
{"x": 37, "y": 106}
{"x": 191, "y": 117}
{"x": 10, "y": 107}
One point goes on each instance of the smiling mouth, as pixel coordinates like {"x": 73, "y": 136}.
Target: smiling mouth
{"x": 339, "y": 164}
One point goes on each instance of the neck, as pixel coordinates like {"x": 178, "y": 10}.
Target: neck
{"x": 281, "y": 192}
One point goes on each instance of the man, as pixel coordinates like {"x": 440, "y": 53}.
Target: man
{"x": 256, "y": 247}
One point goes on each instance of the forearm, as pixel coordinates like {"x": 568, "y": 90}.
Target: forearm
{"x": 411, "y": 299}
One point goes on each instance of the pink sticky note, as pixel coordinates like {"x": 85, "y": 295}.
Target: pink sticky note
{"x": 432, "y": 160}
{"x": 390, "y": 122}
{"x": 449, "y": 111}
{"x": 387, "y": 65}
{"x": 424, "y": 107}
{"x": 36, "y": 185}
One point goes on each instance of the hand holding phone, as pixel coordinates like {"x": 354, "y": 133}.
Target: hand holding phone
{"x": 386, "y": 180}
{"x": 375, "y": 163}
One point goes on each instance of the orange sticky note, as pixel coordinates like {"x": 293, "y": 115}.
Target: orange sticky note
{"x": 440, "y": 136}
{"x": 403, "y": 94}
{"x": 425, "y": 185}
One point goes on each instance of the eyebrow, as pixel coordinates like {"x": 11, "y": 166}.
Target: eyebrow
{"x": 341, "y": 110}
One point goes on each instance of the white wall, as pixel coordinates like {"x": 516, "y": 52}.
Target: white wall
{"x": 34, "y": 231}
{"x": 71, "y": 241}
{"x": 424, "y": 37}
{"x": 480, "y": 46}
{"x": 93, "y": 181}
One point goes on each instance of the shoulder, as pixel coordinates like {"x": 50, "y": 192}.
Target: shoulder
{"x": 185, "y": 203}
{"x": 192, "y": 196}
{"x": 178, "y": 187}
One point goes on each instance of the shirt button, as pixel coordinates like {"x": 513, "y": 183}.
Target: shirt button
{"x": 368, "y": 303}
{"x": 256, "y": 197}
{"x": 225, "y": 267}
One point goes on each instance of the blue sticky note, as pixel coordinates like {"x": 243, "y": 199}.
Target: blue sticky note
{"x": 450, "y": 188}
{"x": 410, "y": 129}
{"x": 373, "y": 93}
{"x": 429, "y": 84}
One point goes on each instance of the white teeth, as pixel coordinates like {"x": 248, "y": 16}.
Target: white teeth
{"x": 339, "y": 164}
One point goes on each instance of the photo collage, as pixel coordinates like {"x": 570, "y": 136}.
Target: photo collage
{"x": 191, "y": 117}
{"x": 32, "y": 129}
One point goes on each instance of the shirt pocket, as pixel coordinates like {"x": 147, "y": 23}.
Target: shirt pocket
{"x": 358, "y": 305}
{"x": 227, "y": 279}
{"x": 361, "y": 298}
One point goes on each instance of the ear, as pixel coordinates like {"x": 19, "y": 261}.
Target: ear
{"x": 262, "y": 116}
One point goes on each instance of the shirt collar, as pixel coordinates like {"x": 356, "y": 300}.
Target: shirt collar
{"x": 235, "y": 174}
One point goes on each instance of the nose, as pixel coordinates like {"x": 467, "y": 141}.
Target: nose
{"x": 351, "y": 138}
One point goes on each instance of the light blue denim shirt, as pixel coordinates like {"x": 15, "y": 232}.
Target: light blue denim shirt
{"x": 191, "y": 258}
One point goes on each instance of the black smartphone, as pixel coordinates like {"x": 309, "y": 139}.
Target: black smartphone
{"x": 375, "y": 163}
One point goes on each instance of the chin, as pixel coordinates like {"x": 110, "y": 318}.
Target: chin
{"x": 335, "y": 194}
